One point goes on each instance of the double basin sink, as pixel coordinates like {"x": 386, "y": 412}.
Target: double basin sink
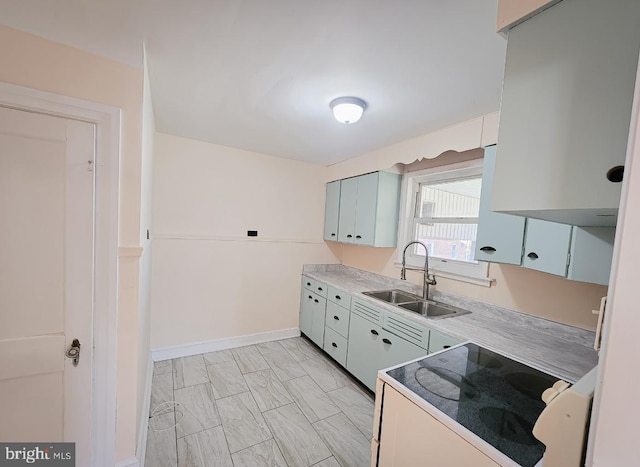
{"x": 416, "y": 304}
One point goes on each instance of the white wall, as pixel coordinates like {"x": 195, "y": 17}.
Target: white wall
{"x": 210, "y": 280}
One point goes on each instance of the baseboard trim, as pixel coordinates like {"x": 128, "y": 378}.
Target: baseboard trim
{"x": 186, "y": 350}
{"x": 133, "y": 462}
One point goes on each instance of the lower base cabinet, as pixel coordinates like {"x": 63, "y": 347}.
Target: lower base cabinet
{"x": 371, "y": 348}
{"x": 312, "y": 316}
{"x": 410, "y": 436}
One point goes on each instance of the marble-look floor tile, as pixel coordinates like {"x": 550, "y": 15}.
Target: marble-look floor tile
{"x": 265, "y": 454}
{"x": 219, "y": 356}
{"x": 226, "y": 379}
{"x": 300, "y": 349}
{"x": 298, "y": 441}
{"x": 242, "y": 421}
{"x": 357, "y": 406}
{"x": 249, "y": 359}
{"x": 160, "y": 368}
{"x": 161, "y": 445}
{"x": 313, "y": 401}
{"x": 198, "y": 408}
{"x": 272, "y": 346}
{"x": 283, "y": 364}
{"x": 267, "y": 390}
{"x": 189, "y": 371}
{"x": 161, "y": 390}
{"x": 348, "y": 444}
{"x": 205, "y": 449}
{"x": 331, "y": 462}
{"x": 325, "y": 374}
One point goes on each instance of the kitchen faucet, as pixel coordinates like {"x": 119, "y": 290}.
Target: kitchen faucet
{"x": 429, "y": 279}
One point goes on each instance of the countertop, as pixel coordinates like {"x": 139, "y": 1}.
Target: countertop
{"x": 561, "y": 350}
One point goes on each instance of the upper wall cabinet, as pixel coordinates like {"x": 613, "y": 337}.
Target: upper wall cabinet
{"x": 367, "y": 210}
{"x": 332, "y": 211}
{"x": 566, "y": 106}
{"x": 500, "y": 236}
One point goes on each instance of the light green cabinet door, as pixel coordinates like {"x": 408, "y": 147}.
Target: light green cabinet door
{"x": 591, "y": 254}
{"x": 306, "y": 312}
{"x": 363, "y": 350}
{"x": 332, "y": 211}
{"x": 395, "y": 350}
{"x": 546, "y": 246}
{"x": 317, "y": 320}
{"x": 347, "y": 214}
{"x": 500, "y": 236}
{"x": 439, "y": 341}
{"x": 366, "y": 205}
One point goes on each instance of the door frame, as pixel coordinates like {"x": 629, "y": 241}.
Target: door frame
{"x": 107, "y": 186}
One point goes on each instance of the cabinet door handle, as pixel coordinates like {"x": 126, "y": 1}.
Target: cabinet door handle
{"x": 374, "y": 332}
{"x": 338, "y": 297}
{"x": 532, "y": 255}
{"x": 310, "y": 297}
{"x": 488, "y": 249}
{"x": 316, "y": 300}
{"x": 334, "y": 345}
{"x": 320, "y": 289}
{"x": 349, "y": 236}
{"x": 615, "y": 174}
{"x": 446, "y": 346}
{"x": 309, "y": 284}
{"x": 386, "y": 341}
{"x": 333, "y": 235}
{"x": 358, "y": 236}
{"x": 336, "y": 318}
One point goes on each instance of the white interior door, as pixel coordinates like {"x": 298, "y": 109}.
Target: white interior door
{"x": 46, "y": 278}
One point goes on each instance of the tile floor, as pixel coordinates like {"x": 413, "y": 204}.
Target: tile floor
{"x": 282, "y": 403}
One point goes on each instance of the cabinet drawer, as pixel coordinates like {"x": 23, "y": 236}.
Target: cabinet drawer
{"x": 439, "y": 341}
{"x": 338, "y": 318}
{"x": 335, "y": 345}
{"x": 315, "y": 286}
{"x": 367, "y": 310}
{"x": 406, "y": 329}
{"x": 338, "y": 296}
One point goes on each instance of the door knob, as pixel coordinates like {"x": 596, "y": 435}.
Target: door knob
{"x": 73, "y": 352}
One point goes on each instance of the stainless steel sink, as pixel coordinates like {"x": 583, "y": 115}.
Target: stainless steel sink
{"x": 430, "y": 309}
{"x": 415, "y": 303}
{"x": 394, "y": 296}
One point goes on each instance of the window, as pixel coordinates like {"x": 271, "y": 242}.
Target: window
{"x": 441, "y": 207}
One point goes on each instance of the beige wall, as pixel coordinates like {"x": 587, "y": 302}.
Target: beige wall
{"x": 33, "y": 62}
{"x": 209, "y": 280}
{"x": 517, "y": 288}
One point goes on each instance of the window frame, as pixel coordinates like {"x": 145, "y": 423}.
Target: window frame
{"x": 472, "y": 272}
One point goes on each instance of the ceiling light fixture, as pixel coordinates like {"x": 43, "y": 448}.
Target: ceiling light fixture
{"x": 348, "y": 110}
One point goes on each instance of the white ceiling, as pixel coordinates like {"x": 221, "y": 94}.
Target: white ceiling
{"x": 259, "y": 75}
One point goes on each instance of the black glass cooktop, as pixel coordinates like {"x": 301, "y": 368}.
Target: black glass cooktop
{"x": 491, "y": 395}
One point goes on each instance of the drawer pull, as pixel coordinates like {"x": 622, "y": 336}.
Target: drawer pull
{"x": 338, "y": 297}
{"x": 358, "y": 236}
{"x": 320, "y": 289}
{"x": 309, "y": 284}
{"x": 316, "y": 300}
{"x": 349, "y": 236}
{"x": 334, "y": 345}
{"x": 532, "y": 256}
{"x": 310, "y": 297}
{"x": 488, "y": 249}
{"x": 374, "y": 332}
{"x": 386, "y": 341}
{"x": 446, "y": 346}
{"x": 336, "y": 318}
{"x": 333, "y": 235}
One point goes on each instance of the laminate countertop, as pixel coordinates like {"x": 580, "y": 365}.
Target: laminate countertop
{"x": 561, "y": 350}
